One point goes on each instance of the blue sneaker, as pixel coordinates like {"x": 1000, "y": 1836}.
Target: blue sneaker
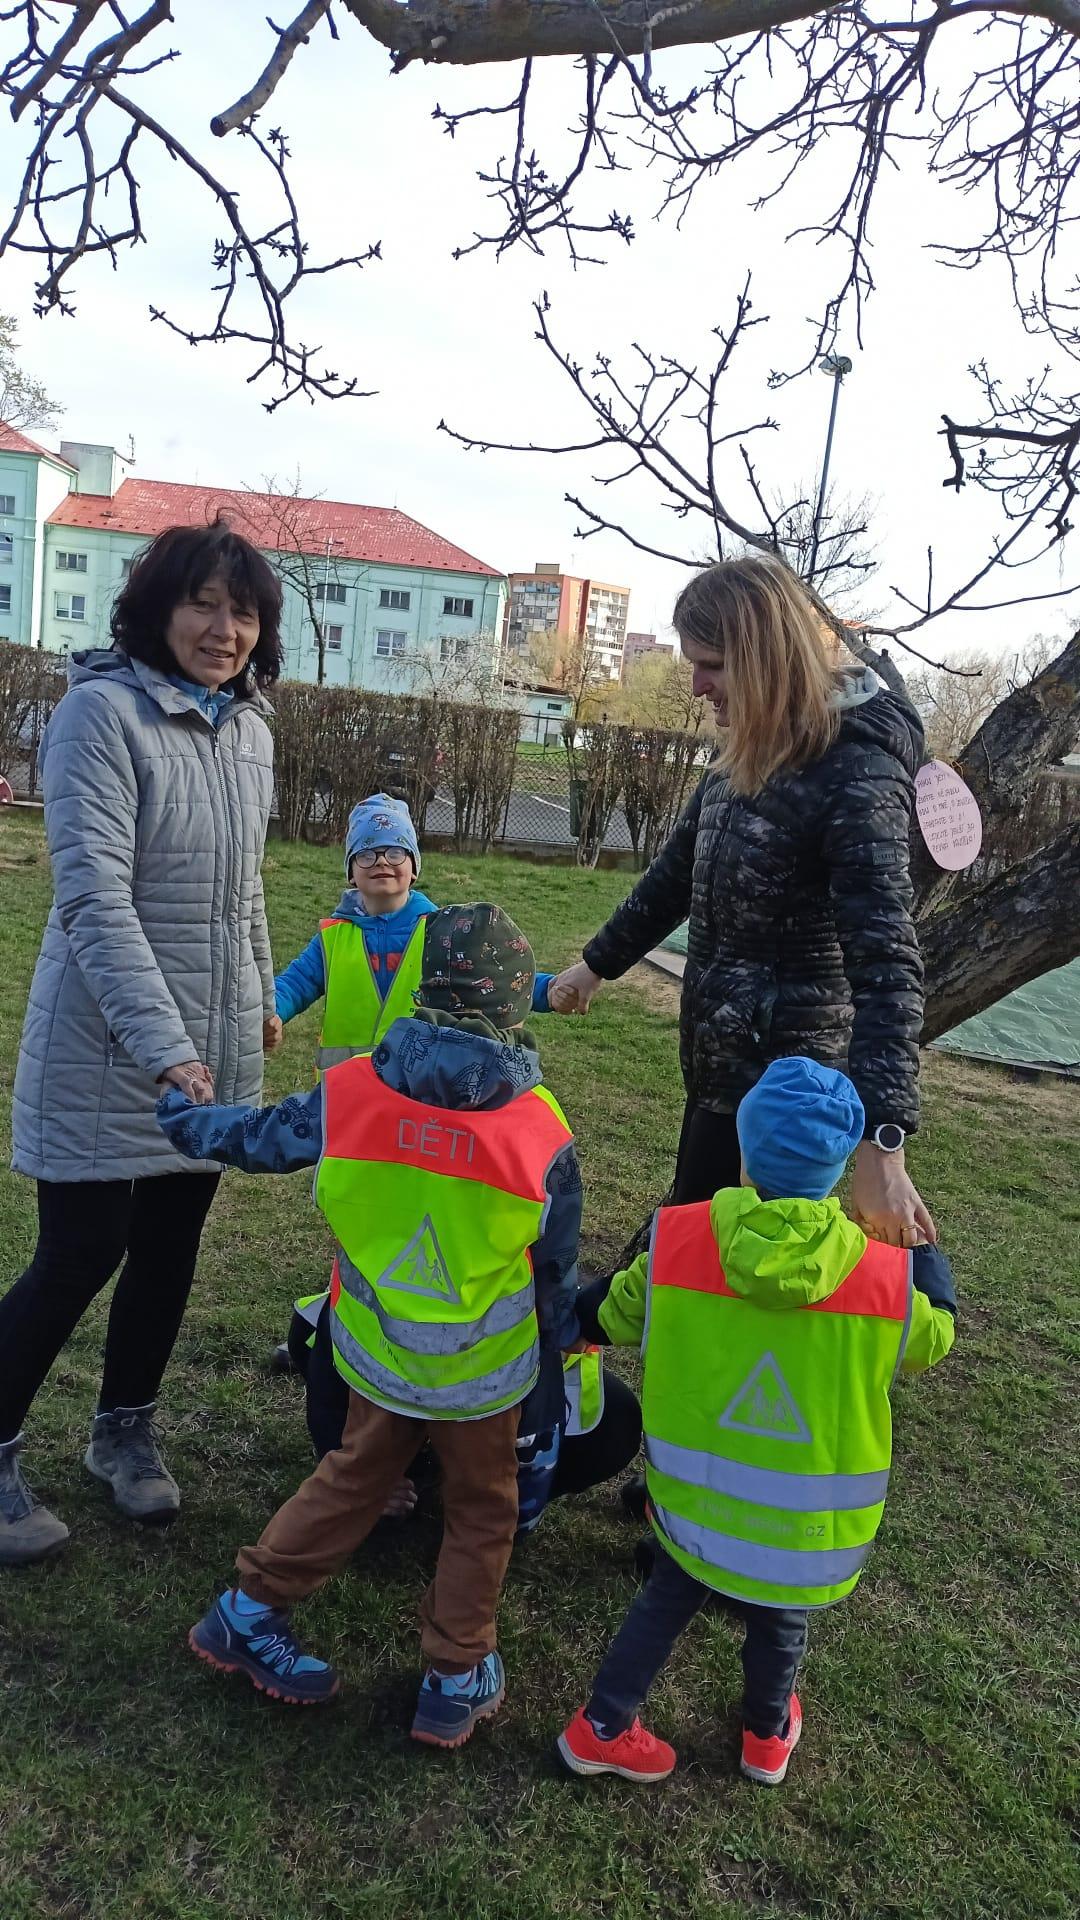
{"x": 262, "y": 1646}
{"x": 449, "y": 1706}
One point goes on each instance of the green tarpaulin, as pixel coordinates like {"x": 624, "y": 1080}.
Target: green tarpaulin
{"x": 1038, "y": 1025}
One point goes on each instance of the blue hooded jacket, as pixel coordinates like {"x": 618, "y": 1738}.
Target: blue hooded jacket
{"x": 386, "y": 936}
{"x": 446, "y": 1067}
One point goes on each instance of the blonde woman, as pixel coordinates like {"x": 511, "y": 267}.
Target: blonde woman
{"x": 791, "y": 864}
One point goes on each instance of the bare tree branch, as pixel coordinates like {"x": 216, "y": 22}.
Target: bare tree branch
{"x": 290, "y": 38}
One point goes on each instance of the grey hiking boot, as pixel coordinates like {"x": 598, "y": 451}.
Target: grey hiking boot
{"x": 124, "y": 1452}
{"x": 28, "y": 1531}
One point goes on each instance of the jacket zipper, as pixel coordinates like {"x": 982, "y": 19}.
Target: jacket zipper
{"x": 226, "y": 957}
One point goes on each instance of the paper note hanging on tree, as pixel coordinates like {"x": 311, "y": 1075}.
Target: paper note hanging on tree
{"x": 948, "y": 814}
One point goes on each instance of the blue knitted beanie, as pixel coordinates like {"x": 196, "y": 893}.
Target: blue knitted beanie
{"x": 380, "y": 821}
{"x": 798, "y": 1127}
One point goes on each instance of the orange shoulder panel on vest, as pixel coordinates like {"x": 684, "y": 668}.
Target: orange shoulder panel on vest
{"x": 685, "y": 1254}
{"x": 877, "y": 1285}
{"x": 364, "y": 1119}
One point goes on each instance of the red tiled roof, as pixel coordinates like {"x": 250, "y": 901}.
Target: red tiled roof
{"x": 12, "y": 441}
{"x": 378, "y": 534}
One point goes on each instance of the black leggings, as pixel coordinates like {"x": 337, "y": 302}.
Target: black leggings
{"x": 85, "y": 1227}
{"x": 708, "y": 1156}
{"x": 584, "y": 1461}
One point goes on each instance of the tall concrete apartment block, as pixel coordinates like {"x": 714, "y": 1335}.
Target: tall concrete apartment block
{"x": 550, "y": 601}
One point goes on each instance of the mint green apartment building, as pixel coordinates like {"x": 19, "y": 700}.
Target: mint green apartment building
{"x": 401, "y": 606}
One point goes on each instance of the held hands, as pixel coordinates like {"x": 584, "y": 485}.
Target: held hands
{"x": 884, "y": 1201}
{"x": 573, "y": 990}
{"x": 195, "y": 1081}
{"x": 272, "y": 1032}
{"x": 400, "y": 1502}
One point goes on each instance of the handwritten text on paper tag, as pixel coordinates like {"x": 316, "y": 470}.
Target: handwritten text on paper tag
{"x": 949, "y": 817}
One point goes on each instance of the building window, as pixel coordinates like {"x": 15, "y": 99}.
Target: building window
{"x": 70, "y": 606}
{"x": 389, "y": 644}
{"x": 453, "y": 646}
{"x": 7, "y": 503}
{"x": 331, "y": 590}
{"x": 333, "y": 638}
{"x": 395, "y": 597}
{"x": 554, "y": 706}
{"x": 5, "y": 599}
{"x": 71, "y": 563}
{"x": 7, "y": 549}
{"x": 453, "y": 603}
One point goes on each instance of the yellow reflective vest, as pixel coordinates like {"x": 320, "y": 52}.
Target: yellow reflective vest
{"x": 434, "y": 1210}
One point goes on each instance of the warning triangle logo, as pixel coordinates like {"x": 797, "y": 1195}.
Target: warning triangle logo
{"x": 421, "y": 1266}
{"x": 764, "y": 1405}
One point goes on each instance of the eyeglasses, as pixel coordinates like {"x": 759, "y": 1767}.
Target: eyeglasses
{"x": 394, "y": 856}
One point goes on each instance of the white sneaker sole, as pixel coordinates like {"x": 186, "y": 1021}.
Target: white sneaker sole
{"x": 576, "y": 1765}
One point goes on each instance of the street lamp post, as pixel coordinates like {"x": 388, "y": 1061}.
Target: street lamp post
{"x": 836, "y": 365}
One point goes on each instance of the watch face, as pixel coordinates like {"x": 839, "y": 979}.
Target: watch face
{"x": 889, "y": 1138}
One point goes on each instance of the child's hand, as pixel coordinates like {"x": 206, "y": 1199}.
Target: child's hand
{"x": 573, "y": 990}
{"x": 272, "y": 1031}
{"x": 579, "y": 1346}
{"x": 401, "y": 1502}
{"x": 195, "y": 1081}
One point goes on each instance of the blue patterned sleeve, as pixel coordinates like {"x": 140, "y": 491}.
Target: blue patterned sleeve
{"x": 555, "y": 1254}
{"x": 279, "y": 1139}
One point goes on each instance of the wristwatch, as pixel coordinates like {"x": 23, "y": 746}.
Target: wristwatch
{"x": 888, "y": 1137}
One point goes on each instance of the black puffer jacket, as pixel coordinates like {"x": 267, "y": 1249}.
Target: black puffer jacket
{"x": 801, "y": 939}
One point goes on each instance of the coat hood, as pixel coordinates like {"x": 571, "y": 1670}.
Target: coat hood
{"x": 110, "y": 664}
{"x": 403, "y": 921}
{"x": 450, "y": 1067}
{"x": 782, "y": 1254}
{"x": 873, "y": 716}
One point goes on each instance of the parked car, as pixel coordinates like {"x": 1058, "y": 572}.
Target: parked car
{"x": 416, "y": 785}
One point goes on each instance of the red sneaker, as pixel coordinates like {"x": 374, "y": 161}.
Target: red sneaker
{"x": 635, "y": 1754}
{"x": 766, "y": 1761}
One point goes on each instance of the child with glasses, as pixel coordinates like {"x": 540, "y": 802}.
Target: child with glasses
{"x": 364, "y": 961}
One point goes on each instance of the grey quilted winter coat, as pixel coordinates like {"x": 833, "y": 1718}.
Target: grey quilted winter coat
{"x": 156, "y": 948}
{"x": 800, "y": 938}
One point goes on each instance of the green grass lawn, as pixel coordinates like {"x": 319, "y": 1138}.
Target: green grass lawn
{"x": 935, "y": 1772}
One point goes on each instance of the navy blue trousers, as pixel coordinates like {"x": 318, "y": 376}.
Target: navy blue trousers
{"x": 774, "y": 1645}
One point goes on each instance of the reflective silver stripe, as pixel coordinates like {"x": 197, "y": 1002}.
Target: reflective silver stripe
{"x": 437, "y": 1336}
{"x": 333, "y": 1056}
{"x": 468, "y": 1399}
{"x": 793, "y": 1492}
{"x": 774, "y": 1566}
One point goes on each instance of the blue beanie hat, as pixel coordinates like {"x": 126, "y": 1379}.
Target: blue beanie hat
{"x": 380, "y": 821}
{"x": 798, "y": 1127}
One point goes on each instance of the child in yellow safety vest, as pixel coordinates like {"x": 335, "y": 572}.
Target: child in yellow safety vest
{"x": 364, "y": 961}
{"x": 771, "y": 1331}
{"x": 447, "y": 1173}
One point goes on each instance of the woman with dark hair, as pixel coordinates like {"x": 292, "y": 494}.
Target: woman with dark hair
{"x": 155, "y": 968}
{"x": 791, "y": 864}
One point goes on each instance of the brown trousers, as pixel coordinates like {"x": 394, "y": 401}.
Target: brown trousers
{"x": 312, "y": 1536}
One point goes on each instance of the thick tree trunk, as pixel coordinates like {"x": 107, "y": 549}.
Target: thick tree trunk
{"x": 470, "y": 31}
{"x": 987, "y": 943}
{"x": 1029, "y": 732}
